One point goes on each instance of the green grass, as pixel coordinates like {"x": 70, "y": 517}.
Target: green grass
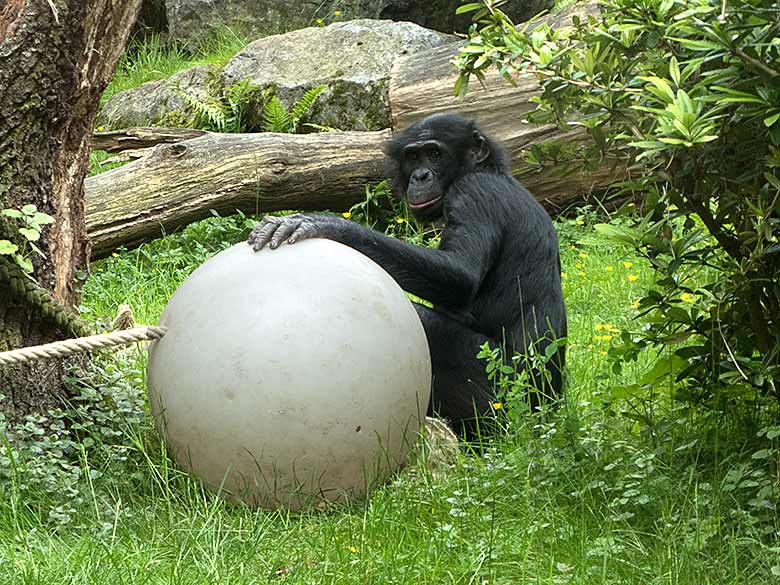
{"x": 157, "y": 58}
{"x": 586, "y": 496}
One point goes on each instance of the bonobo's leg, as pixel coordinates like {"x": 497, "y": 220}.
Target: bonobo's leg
{"x": 461, "y": 390}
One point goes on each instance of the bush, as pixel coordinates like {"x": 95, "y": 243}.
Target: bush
{"x": 685, "y": 93}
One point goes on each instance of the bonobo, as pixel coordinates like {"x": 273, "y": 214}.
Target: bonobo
{"x": 496, "y": 276}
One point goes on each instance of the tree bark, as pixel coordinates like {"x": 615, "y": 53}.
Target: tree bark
{"x": 138, "y": 138}
{"x": 56, "y": 58}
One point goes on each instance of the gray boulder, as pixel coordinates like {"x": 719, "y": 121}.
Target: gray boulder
{"x": 434, "y": 14}
{"x": 190, "y": 20}
{"x": 152, "y": 102}
{"x": 352, "y": 58}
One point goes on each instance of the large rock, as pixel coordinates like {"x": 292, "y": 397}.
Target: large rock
{"x": 352, "y": 58}
{"x": 434, "y": 14}
{"x": 155, "y": 102}
{"x": 190, "y": 20}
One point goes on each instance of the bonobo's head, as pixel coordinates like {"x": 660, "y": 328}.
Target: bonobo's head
{"x": 427, "y": 157}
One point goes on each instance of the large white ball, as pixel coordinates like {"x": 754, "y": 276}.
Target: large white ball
{"x": 290, "y": 376}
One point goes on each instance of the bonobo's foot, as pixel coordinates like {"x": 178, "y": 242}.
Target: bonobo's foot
{"x": 273, "y": 231}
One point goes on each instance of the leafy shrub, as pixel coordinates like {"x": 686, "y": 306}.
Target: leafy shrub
{"x": 48, "y": 462}
{"x": 687, "y": 95}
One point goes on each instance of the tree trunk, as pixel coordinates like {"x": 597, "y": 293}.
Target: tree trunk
{"x": 56, "y": 58}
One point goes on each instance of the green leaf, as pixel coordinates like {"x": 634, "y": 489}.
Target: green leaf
{"x": 770, "y": 120}
{"x": 24, "y": 263}
{"x": 15, "y": 213}
{"x": 275, "y": 117}
{"x": 674, "y": 70}
{"x": 30, "y": 234}
{"x": 471, "y": 7}
{"x": 773, "y": 180}
{"x": 41, "y": 219}
{"x": 7, "y": 247}
{"x": 661, "y": 369}
{"x": 662, "y": 85}
{"x": 29, "y": 209}
{"x": 615, "y": 232}
{"x": 300, "y": 109}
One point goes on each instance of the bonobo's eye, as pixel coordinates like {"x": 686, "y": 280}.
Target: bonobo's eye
{"x": 435, "y": 153}
{"x": 411, "y": 155}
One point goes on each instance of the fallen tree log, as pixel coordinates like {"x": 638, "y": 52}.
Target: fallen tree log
{"x": 177, "y": 184}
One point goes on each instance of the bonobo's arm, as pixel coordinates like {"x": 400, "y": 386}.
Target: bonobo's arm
{"x": 449, "y": 276}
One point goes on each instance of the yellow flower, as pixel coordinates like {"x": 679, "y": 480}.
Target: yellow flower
{"x": 319, "y": 21}
{"x": 583, "y": 255}
{"x": 581, "y": 274}
{"x": 563, "y": 275}
{"x": 580, "y": 222}
{"x": 606, "y": 337}
{"x": 578, "y": 265}
{"x": 498, "y": 405}
{"x": 346, "y": 215}
{"x": 100, "y": 128}
{"x": 599, "y": 327}
{"x": 399, "y": 220}
{"x": 352, "y": 549}
{"x": 632, "y": 277}
{"x": 337, "y": 12}
{"x": 631, "y": 204}
{"x": 115, "y": 255}
{"x": 688, "y": 297}
{"x": 603, "y": 353}
{"x": 608, "y": 268}
{"x": 636, "y": 304}
{"x": 572, "y": 246}
{"x": 627, "y": 264}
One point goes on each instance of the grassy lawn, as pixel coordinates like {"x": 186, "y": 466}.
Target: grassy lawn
{"x": 588, "y": 495}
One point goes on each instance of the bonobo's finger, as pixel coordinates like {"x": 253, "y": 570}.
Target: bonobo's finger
{"x": 285, "y": 230}
{"x": 263, "y": 233}
{"x": 303, "y": 231}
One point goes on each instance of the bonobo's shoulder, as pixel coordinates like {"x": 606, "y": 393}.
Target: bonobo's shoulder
{"x": 486, "y": 184}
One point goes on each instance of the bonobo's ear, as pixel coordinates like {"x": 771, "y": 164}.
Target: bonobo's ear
{"x": 480, "y": 150}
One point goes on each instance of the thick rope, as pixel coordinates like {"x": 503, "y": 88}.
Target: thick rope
{"x": 39, "y": 298}
{"x": 59, "y": 349}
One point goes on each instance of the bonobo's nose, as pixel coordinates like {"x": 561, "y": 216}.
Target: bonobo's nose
{"x": 421, "y": 175}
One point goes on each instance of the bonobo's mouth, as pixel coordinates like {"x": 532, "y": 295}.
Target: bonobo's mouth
{"x": 426, "y": 204}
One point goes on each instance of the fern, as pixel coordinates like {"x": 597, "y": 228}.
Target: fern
{"x": 239, "y": 98}
{"x": 230, "y": 111}
{"x": 303, "y": 106}
{"x": 209, "y": 115}
{"x": 225, "y": 113}
{"x": 275, "y": 117}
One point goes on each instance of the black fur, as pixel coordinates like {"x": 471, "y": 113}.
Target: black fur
{"x": 495, "y": 276}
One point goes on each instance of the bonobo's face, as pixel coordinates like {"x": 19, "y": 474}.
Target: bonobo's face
{"x": 428, "y": 164}
{"x": 428, "y": 156}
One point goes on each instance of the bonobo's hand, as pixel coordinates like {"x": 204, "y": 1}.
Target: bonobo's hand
{"x": 273, "y": 231}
